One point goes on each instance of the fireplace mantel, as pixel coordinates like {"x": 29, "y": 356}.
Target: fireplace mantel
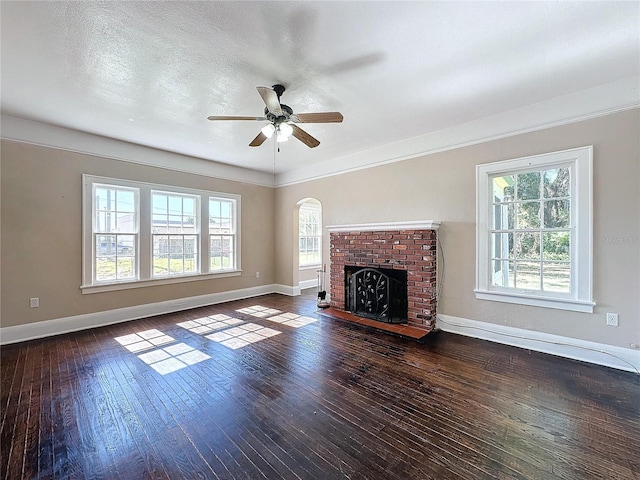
{"x": 386, "y": 226}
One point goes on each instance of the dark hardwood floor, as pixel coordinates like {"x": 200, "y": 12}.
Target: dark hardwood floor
{"x": 301, "y": 396}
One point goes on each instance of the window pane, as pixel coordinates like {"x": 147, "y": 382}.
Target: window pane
{"x": 160, "y": 224}
{"x": 556, "y": 246}
{"x": 160, "y": 265}
{"x": 504, "y": 216}
{"x": 225, "y": 209}
{"x": 175, "y": 205}
{"x": 528, "y": 246}
{"x": 126, "y": 222}
{"x": 175, "y": 246}
{"x": 528, "y": 186}
{"x": 103, "y": 198}
{"x": 214, "y": 208}
{"x": 159, "y": 203}
{"x": 503, "y": 245}
{"x": 222, "y": 252}
{"x": 557, "y": 182}
{"x": 100, "y": 222}
{"x": 503, "y": 188}
{"x": 175, "y": 223}
{"x": 502, "y": 273}
{"x": 126, "y": 245}
{"x": 528, "y": 215}
{"x": 105, "y": 268}
{"x": 125, "y": 268}
{"x": 105, "y": 245}
{"x": 557, "y": 214}
{"x": 228, "y": 254}
{"x": 190, "y": 263}
{"x": 557, "y": 277}
{"x": 528, "y": 275}
{"x": 189, "y": 224}
{"x": 189, "y": 206}
{"x": 125, "y": 201}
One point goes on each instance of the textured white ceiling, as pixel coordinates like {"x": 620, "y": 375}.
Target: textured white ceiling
{"x": 151, "y": 72}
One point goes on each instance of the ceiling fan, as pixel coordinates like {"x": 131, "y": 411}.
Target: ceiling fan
{"x": 282, "y": 120}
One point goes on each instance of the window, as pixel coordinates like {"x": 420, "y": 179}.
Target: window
{"x": 138, "y": 234}
{"x": 534, "y": 230}
{"x": 115, "y": 233}
{"x": 222, "y": 234}
{"x": 310, "y": 234}
{"x": 175, "y": 234}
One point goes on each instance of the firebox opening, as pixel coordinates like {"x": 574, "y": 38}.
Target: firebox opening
{"x": 379, "y": 294}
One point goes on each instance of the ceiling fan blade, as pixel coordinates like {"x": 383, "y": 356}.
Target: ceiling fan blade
{"x": 226, "y": 117}
{"x": 259, "y": 140}
{"x": 304, "y": 137}
{"x": 322, "y": 117}
{"x": 270, "y": 98}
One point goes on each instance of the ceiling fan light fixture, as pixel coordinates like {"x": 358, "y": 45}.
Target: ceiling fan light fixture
{"x": 285, "y": 129}
{"x": 268, "y": 130}
{"x": 282, "y": 137}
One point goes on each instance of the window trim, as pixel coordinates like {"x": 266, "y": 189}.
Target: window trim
{"x": 145, "y": 247}
{"x": 580, "y": 299}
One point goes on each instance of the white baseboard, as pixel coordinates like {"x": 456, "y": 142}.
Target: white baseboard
{"x": 46, "y": 328}
{"x": 601, "y": 354}
{"x": 286, "y": 290}
{"x": 304, "y": 284}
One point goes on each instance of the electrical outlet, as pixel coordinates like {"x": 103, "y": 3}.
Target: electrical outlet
{"x": 612, "y": 319}
{"x": 34, "y": 302}
{"x": 257, "y": 274}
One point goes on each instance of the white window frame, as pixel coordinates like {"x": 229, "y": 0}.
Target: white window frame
{"x": 235, "y": 230}
{"x": 580, "y": 161}
{"x": 318, "y": 208}
{"x": 144, "y": 254}
{"x": 197, "y": 199}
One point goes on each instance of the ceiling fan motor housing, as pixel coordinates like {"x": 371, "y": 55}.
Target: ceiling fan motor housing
{"x": 287, "y": 111}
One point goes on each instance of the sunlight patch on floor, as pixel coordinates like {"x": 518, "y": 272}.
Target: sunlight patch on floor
{"x": 292, "y": 320}
{"x": 172, "y": 358}
{"x": 209, "y": 324}
{"x": 166, "y": 359}
{"x": 137, "y": 342}
{"x": 242, "y": 335}
{"x": 259, "y": 311}
{"x": 285, "y": 318}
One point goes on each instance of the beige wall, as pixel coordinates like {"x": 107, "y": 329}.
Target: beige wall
{"x": 442, "y": 187}
{"x": 41, "y": 227}
{"x": 41, "y": 234}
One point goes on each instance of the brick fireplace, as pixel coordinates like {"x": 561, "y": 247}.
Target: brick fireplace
{"x": 408, "y": 246}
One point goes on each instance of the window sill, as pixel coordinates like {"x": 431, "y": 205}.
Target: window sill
{"x": 537, "y": 301}
{"x": 110, "y": 287}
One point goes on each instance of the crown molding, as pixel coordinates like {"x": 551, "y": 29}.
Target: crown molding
{"x": 45, "y": 135}
{"x": 575, "y": 107}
